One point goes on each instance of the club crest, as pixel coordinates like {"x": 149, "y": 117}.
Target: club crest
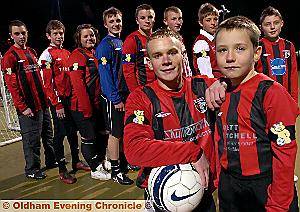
{"x": 200, "y": 104}
{"x": 286, "y": 53}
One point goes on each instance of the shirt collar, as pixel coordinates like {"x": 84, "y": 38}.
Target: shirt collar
{"x": 206, "y": 34}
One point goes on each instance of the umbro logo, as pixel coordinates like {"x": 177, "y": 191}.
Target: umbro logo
{"x": 162, "y": 114}
{"x": 266, "y": 55}
{"x": 118, "y": 48}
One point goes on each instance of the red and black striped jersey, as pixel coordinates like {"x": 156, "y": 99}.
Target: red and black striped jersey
{"x": 85, "y": 81}
{"x": 135, "y": 61}
{"x": 53, "y": 62}
{"x": 278, "y": 61}
{"x": 23, "y": 79}
{"x": 255, "y": 135}
{"x": 165, "y": 128}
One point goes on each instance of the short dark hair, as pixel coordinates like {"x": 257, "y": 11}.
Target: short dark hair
{"x": 242, "y": 23}
{"x": 171, "y": 9}
{"x": 142, "y": 7}
{"x": 206, "y": 10}
{"x": 109, "y": 12}
{"x": 269, "y": 11}
{"x": 53, "y": 25}
{"x": 163, "y": 32}
{"x": 17, "y": 23}
{"x": 77, "y": 35}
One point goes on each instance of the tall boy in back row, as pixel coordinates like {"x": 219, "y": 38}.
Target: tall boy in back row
{"x": 255, "y": 132}
{"x": 173, "y": 20}
{"x": 278, "y": 58}
{"x": 135, "y": 58}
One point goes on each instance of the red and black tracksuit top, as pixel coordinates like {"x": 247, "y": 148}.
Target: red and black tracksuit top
{"x": 53, "y": 62}
{"x": 85, "y": 81}
{"x": 278, "y": 61}
{"x": 135, "y": 61}
{"x": 166, "y": 128}
{"x": 23, "y": 79}
{"x": 255, "y": 136}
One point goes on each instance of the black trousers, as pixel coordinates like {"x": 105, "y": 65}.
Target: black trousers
{"x": 93, "y": 137}
{"x": 243, "y": 195}
{"x": 32, "y": 130}
{"x": 64, "y": 127}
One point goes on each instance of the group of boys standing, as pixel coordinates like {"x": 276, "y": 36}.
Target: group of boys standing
{"x": 247, "y": 146}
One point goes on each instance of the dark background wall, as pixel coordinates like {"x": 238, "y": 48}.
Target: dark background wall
{"x": 36, "y": 14}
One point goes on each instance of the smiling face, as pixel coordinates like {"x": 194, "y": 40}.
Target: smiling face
{"x": 271, "y": 27}
{"x": 87, "y": 38}
{"x": 113, "y": 23}
{"x": 236, "y": 54}
{"x": 20, "y": 35}
{"x": 166, "y": 58}
{"x": 174, "y": 20}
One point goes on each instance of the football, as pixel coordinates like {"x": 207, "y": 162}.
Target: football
{"x": 175, "y": 187}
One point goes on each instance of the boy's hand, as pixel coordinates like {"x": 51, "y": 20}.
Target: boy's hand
{"x": 60, "y": 113}
{"x": 120, "y": 106}
{"x": 202, "y": 167}
{"x": 28, "y": 112}
{"x": 215, "y": 95}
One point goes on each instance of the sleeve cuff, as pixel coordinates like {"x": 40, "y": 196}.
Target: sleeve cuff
{"x": 59, "y": 106}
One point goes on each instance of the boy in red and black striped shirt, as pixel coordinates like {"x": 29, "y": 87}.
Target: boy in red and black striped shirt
{"x": 24, "y": 82}
{"x": 135, "y": 58}
{"x": 167, "y": 121}
{"x": 278, "y": 58}
{"x": 255, "y": 130}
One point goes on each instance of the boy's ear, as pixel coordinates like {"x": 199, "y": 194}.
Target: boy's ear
{"x": 200, "y": 23}
{"x": 165, "y": 22}
{"x": 149, "y": 63}
{"x": 257, "y": 53}
{"x": 48, "y": 36}
{"x": 104, "y": 23}
{"x": 282, "y": 23}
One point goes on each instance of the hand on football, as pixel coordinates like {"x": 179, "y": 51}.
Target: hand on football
{"x": 202, "y": 167}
